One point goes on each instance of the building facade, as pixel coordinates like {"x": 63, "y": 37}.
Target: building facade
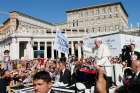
{"x": 28, "y": 36}
{"x": 101, "y": 18}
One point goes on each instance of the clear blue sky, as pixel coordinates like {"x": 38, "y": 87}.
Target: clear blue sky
{"x": 54, "y": 10}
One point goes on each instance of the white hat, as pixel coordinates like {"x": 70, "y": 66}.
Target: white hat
{"x": 80, "y": 86}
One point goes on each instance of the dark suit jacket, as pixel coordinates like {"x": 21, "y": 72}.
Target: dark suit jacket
{"x": 3, "y": 85}
{"x": 126, "y": 56}
{"x": 52, "y": 91}
{"x": 65, "y": 77}
{"x": 137, "y": 53}
{"x": 137, "y": 77}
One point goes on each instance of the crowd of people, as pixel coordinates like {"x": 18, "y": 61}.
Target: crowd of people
{"x": 93, "y": 71}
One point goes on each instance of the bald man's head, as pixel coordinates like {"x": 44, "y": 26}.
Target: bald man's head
{"x": 136, "y": 65}
{"x": 98, "y": 42}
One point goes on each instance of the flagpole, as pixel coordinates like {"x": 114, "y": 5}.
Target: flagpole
{"x": 61, "y": 43}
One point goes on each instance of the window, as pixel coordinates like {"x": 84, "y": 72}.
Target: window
{"x": 116, "y": 27}
{"x": 81, "y": 14}
{"x": 99, "y": 29}
{"x": 93, "y": 29}
{"x": 48, "y": 31}
{"x": 98, "y": 17}
{"x": 103, "y": 11}
{"x": 92, "y": 12}
{"x": 116, "y": 15}
{"x": 86, "y": 13}
{"x": 110, "y": 16}
{"x": 77, "y": 23}
{"x": 74, "y": 30}
{"x": 105, "y": 28}
{"x": 97, "y": 11}
{"x": 68, "y": 30}
{"x": 115, "y": 8}
{"x": 42, "y": 45}
{"x": 110, "y": 10}
{"x": 87, "y": 30}
{"x": 73, "y": 23}
{"x": 35, "y": 46}
{"x": 111, "y": 28}
{"x": 81, "y": 30}
{"x": 104, "y": 16}
{"x": 92, "y": 19}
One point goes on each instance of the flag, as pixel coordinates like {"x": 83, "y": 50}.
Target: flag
{"x": 61, "y": 42}
{"x": 87, "y": 45}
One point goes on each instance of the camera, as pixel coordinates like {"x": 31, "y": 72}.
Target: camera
{"x": 126, "y": 48}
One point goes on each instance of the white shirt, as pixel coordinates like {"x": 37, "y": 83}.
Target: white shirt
{"x": 101, "y": 56}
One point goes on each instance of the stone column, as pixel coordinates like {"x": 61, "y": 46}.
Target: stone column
{"x": 79, "y": 50}
{"x": 72, "y": 48}
{"x": 29, "y": 51}
{"x": 45, "y": 50}
{"x": 17, "y": 49}
{"x": 14, "y": 49}
{"x": 38, "y": 46}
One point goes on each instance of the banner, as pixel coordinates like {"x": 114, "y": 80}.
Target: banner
{"x": 88, "y": 45}
{"x": 61, "y": 42}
